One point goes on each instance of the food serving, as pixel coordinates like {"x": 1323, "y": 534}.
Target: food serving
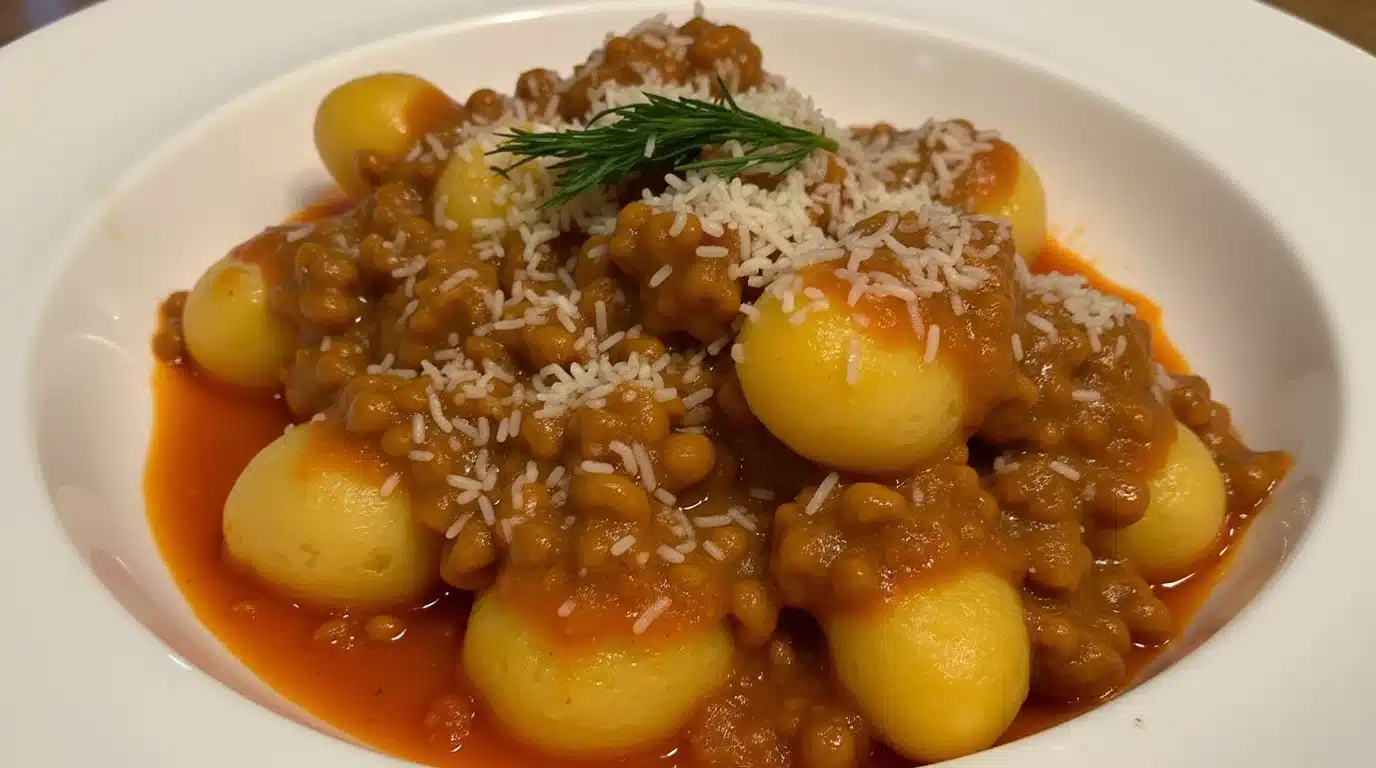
{"x": 649, "y": 414}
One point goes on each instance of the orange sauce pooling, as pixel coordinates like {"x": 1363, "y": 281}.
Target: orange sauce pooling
{"x": 381, "y": 693}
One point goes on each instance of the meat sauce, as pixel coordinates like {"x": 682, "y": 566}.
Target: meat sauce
{"x": 397, "y": 696}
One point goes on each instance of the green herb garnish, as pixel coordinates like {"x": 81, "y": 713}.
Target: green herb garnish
{"x": 661, "y": 132}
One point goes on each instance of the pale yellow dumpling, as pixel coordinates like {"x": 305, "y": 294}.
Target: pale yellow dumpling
{"x": 588, "y": 701}
{"x": 231, "y": 333}
{"x": 386, "y": 113}
{"x": 898, "y": 411}
{"x": 1022, "y": 201}
{"x": 939, "y": 672}
{"x": 308, "y": 516}
{"x": 1184, "y": 518}
{"x": 468, "y": 187}
{"x": 472, "y": 188}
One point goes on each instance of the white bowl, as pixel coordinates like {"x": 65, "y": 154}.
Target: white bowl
{"x": 1185, "y": 159}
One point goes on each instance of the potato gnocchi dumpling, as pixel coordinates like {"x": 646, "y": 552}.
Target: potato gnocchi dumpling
{"x": 471, "y": 187}
{"x": 587, "y": 701}
{"x": 1184, "y": 517}
{"x": 939, "y": 672}
{"x": 386, "y": 113}
{"x": 231, "y": 332}
{"x": 1016, "y": 194}
{"x": 308, "y": 516}
{"x": 899, "y": 410}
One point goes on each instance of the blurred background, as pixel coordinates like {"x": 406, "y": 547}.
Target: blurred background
{"x": 1354, "y": 20}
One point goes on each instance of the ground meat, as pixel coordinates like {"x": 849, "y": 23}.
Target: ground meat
{"x": 779, "y": 710}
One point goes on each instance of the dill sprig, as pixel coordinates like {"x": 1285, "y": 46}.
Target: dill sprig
{"x": 661, "y": 132}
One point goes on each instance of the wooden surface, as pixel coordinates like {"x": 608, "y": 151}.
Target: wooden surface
{"x": 1352, "y": 19}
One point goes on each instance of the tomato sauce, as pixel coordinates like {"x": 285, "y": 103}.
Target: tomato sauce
{"x": 384, "y": 693}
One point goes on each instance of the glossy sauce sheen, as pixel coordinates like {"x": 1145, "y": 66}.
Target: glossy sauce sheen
{"x": 382, "y": 692}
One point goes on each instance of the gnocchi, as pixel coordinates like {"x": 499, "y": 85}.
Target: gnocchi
{"x": 469, "y": 188}
{"x": 1022, "y": 201}
{"x": 587, "y": 701}
{"x": 386, "y": 113}
{"x": 309, "y": 517}
{"x": 1184, "y": 518}
{"x": 231, "y": 332}
{"x": 900, "y": 408}
{"x": 940, "y": 672}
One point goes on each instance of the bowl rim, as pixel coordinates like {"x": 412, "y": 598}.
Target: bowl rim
{"x": 1222, "y": 90}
